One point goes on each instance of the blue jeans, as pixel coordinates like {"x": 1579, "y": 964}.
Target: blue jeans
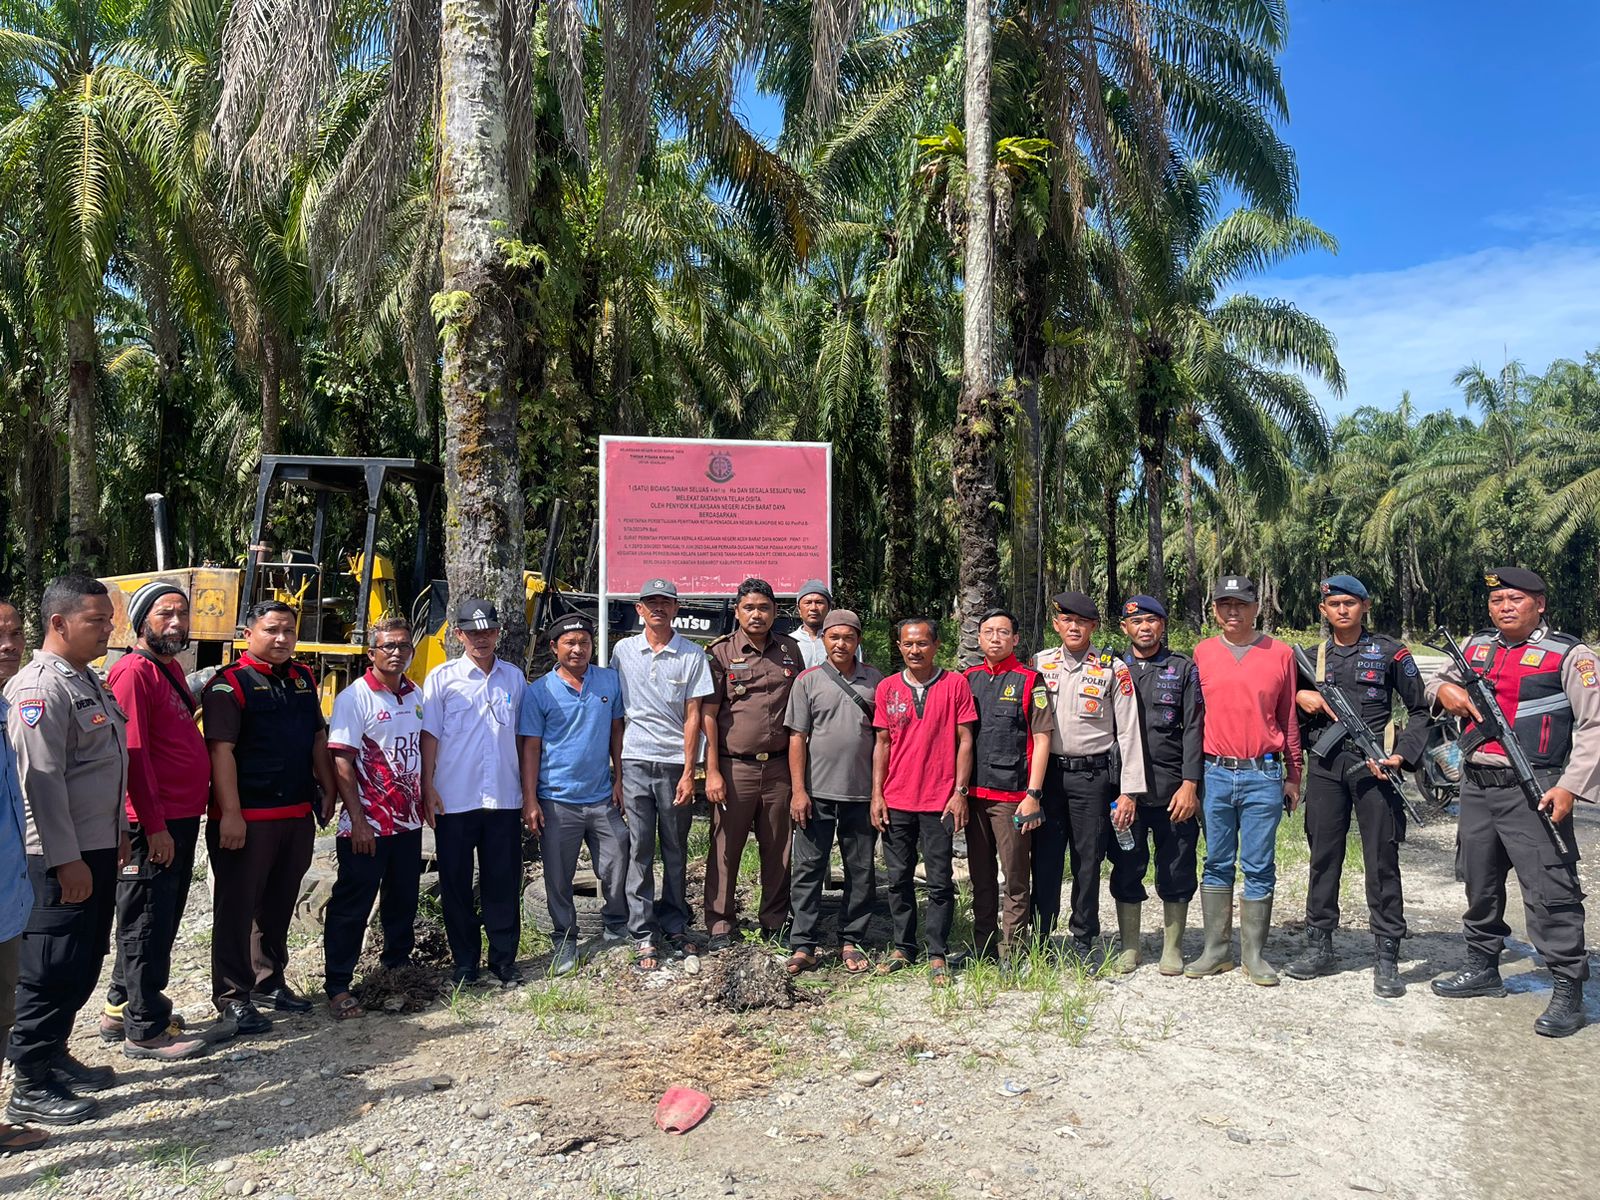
{"x": 1241, "y": 810}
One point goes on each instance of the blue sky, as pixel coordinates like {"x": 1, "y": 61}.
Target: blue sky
{"x": 1453, "y": 148}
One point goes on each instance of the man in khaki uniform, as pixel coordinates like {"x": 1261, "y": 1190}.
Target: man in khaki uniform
{"x": 72, "y": 762}
{"x": 1096, "y": 718}
{"x": 747, "y": 760}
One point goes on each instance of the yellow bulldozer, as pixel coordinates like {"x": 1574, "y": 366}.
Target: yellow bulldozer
{"x": 336, "y": 602}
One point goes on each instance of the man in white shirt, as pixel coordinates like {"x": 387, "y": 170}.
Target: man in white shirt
{"x": 472, "y": 784}
{"x": 813, "y": 602}
{"x": 664, "y": 678}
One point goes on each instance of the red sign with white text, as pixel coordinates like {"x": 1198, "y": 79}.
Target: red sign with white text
{"x": 708, "y": 514}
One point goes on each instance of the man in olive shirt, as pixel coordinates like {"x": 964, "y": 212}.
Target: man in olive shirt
{"x": 72, "y": 761}
{"x": 747, "y": 760}
{"x": 831, "y": 738}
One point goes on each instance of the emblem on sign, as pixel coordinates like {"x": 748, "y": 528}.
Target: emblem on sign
{"x": 721, "y": 468}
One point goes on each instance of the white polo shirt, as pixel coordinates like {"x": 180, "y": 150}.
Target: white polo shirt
{"x": 474, "y": 717}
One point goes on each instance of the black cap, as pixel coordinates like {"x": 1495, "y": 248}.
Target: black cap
{"x": 1235, "y": 587}
{"x": 1520, "y": 578}
{"x": 1076, "y": 604}
{"x": 1134, "y": 605}
{"x": 571, "y": 623}
{"x": 476, "y": 614}
{"x": 1344, "y": 585}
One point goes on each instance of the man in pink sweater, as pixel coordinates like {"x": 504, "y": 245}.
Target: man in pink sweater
{"x": 1252, "y": 776}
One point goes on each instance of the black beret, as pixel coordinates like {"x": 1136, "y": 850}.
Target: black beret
{"x": 1076, "y": 604}
{"x": 1520, "y": 578}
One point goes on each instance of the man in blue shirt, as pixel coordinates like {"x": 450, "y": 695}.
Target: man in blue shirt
{"x": 571, "y": 730}
{"x": 16, "y": 893}
{"x": 665, "y": 677}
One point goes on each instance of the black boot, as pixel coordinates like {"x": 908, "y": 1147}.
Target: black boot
{"x": 47, "y": 1102}
{"x": 1480, "y": 977}
{"x": 1386, "y": 969}
{"x": 1564, "y": 1017}
{"x": 1318, "y": 958}
{"x": 81, "y": 1077}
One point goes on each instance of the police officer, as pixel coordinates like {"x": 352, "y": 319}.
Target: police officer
{"x": 1548, "y": 687}
{"x": 1171, "y": 714}
{"x": 1370, "y": 669}
{"x": 72, "y": 760}
{"x": 1096, "y": 717}
{"x": 747, "y": 760}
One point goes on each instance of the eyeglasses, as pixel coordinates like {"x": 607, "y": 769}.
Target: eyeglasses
{"x": 393, "y": 648}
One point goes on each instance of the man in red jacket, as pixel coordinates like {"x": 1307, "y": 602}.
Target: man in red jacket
{"x": 1252, "y": 775}
{"x": 169, "y": 782}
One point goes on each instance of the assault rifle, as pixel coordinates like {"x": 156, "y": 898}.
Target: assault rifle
{"x": 1493, "y": 727}
{"x": 1348, "y": 723}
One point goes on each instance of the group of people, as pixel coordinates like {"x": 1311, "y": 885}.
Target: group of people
{"x": 1049, "y": 767}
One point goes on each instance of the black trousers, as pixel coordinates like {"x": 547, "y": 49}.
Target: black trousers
{"x": 1077, "y": 820}
{"x": 1499, "y": 831}
{"x": 254, "y": 890}
{"x": 813, "y": 846}
{"x": 1331, "y": 797}
{"x": 908, "y": 834}
{"x": 150, "y": 904}
{"x": 389, "y": 875}
{"x": 1176, "y": 876}
{"x": 63, "y": 948}
{"x": 491, "y": 838}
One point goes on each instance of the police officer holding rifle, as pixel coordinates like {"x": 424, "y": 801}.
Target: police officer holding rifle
{"x": 1531, "y": 699}
{"x": 1346, "y": 699}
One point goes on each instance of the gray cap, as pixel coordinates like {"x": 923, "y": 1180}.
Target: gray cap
{"x": 476, "y": 614}
{"x": 817, "y": 586}
{"x": 841, "y": 616}
{"x": 658, "y": 587}
{"x": 142, "y": 601}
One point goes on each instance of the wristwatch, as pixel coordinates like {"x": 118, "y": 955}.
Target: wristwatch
{"x": 961, "y": 790}
{"x": 1035, "y": 793}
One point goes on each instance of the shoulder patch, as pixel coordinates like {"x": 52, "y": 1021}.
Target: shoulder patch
{"x": 31, "y": 711}
{"x": 221, "y": 685}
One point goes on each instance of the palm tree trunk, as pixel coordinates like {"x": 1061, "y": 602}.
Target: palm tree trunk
{"x": 978, "y": 413}
{"x": 1109, "y": 500}
{"x": 1027, "y": 468}
{"x": 271, "y": 393}
{"x": 1192, "y": 597}
{"x": 484, "y": 522}
{"x": 1154, "y": 456}
{"x": 83, "y": 475}
{"x": 899, "y": 383}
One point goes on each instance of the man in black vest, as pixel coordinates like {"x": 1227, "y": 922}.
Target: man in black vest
{"x": 269, "y": 758}
{"x": 1547, "y": 685}
{"x": 1010, "y": 756}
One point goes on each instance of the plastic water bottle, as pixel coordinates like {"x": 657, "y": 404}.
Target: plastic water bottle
{"x": 1124, "y": 836}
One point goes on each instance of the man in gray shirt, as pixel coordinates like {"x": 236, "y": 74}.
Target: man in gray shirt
{"x": 831, "y": 737}
{"x": 664, "y": 678}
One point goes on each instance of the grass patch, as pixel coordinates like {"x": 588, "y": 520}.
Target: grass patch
{"x": 179, "y": 1157}
{"x": 552, "y": 1001}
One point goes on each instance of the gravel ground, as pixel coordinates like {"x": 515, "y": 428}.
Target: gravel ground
{"x": 1051, "y": 1086}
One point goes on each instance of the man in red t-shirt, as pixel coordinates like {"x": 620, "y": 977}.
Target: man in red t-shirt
{"x": 921, "y": 767}
{"x": 169, "y": 782}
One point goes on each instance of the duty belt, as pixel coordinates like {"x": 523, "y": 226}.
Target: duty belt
{"x": 1491, "y": 776}
{"x": 1228, "y": 763}
{"x": 762, "y": 757}
{"x": 1082, "y": 762}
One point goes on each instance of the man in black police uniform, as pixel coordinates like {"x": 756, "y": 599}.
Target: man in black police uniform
{"x": 1370, "y": 669}
{"x": 1172, "y": 716}
{"x": 1547, "y": 685}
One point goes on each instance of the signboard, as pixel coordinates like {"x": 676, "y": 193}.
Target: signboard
{"x": 708, "y": 514}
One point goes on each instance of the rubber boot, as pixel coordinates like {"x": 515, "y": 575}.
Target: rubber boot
{"x": 1216, "y": 908}
{"x": 1128, "y": 934}
{"x": 1255, "y": 916}
{"x": 1564, "y": 1017}
{"x": 1174, "y": 917}
{"x": 1318, "y": 958}
{"x": 1386, "y": 981}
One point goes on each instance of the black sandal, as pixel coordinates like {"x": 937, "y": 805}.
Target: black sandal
{"x": 897, "y": 961}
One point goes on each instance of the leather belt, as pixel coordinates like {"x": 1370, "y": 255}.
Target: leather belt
{"x": 1228, "y": 763}
{"x": 764, "y": 756}
{"x": 1082, "y": 762}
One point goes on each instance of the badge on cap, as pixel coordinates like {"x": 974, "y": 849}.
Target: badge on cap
{"x": 1491, "y": 579}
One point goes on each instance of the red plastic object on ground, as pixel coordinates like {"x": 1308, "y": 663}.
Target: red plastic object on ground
{"x": 681, "y": 1109}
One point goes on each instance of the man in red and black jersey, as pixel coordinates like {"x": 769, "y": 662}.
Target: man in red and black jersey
{"x": 269, "y": 760}
{"x": 1010, "y": 755}
{"x": 1546, "y": 684}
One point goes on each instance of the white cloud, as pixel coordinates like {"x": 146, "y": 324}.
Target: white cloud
{"x": 1414, "y": 328}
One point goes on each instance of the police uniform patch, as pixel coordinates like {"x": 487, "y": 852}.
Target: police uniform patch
{"x": 99, "y": 719}
{"x": 1041, "y": 698}
{"x": 1479, "y": 653}
{"x": 1409, "y": 666}
{"x": 222, "y": 686}
{"x": 1587, "y": 679}
{"x": 1091, "y": 706}
{"x": 63, "y": 669}
{"x": 1125, "y": 685}
{"x": 31, "y": 712}
{"x": 1585, "y": 666}
{"x": 1532, "y": 658}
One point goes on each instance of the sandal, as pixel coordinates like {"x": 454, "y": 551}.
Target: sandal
{"x": 939, "y": 973}
{"x": 345, "y": 1007}
{"x": 19, "y": 1139}
{"x": 645, "y": 959}
{"x": 686, "y": 944}
{"x": 801, "y": 960}
{"x": 854, "y": 961}
{"x": 897, "y": 961}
